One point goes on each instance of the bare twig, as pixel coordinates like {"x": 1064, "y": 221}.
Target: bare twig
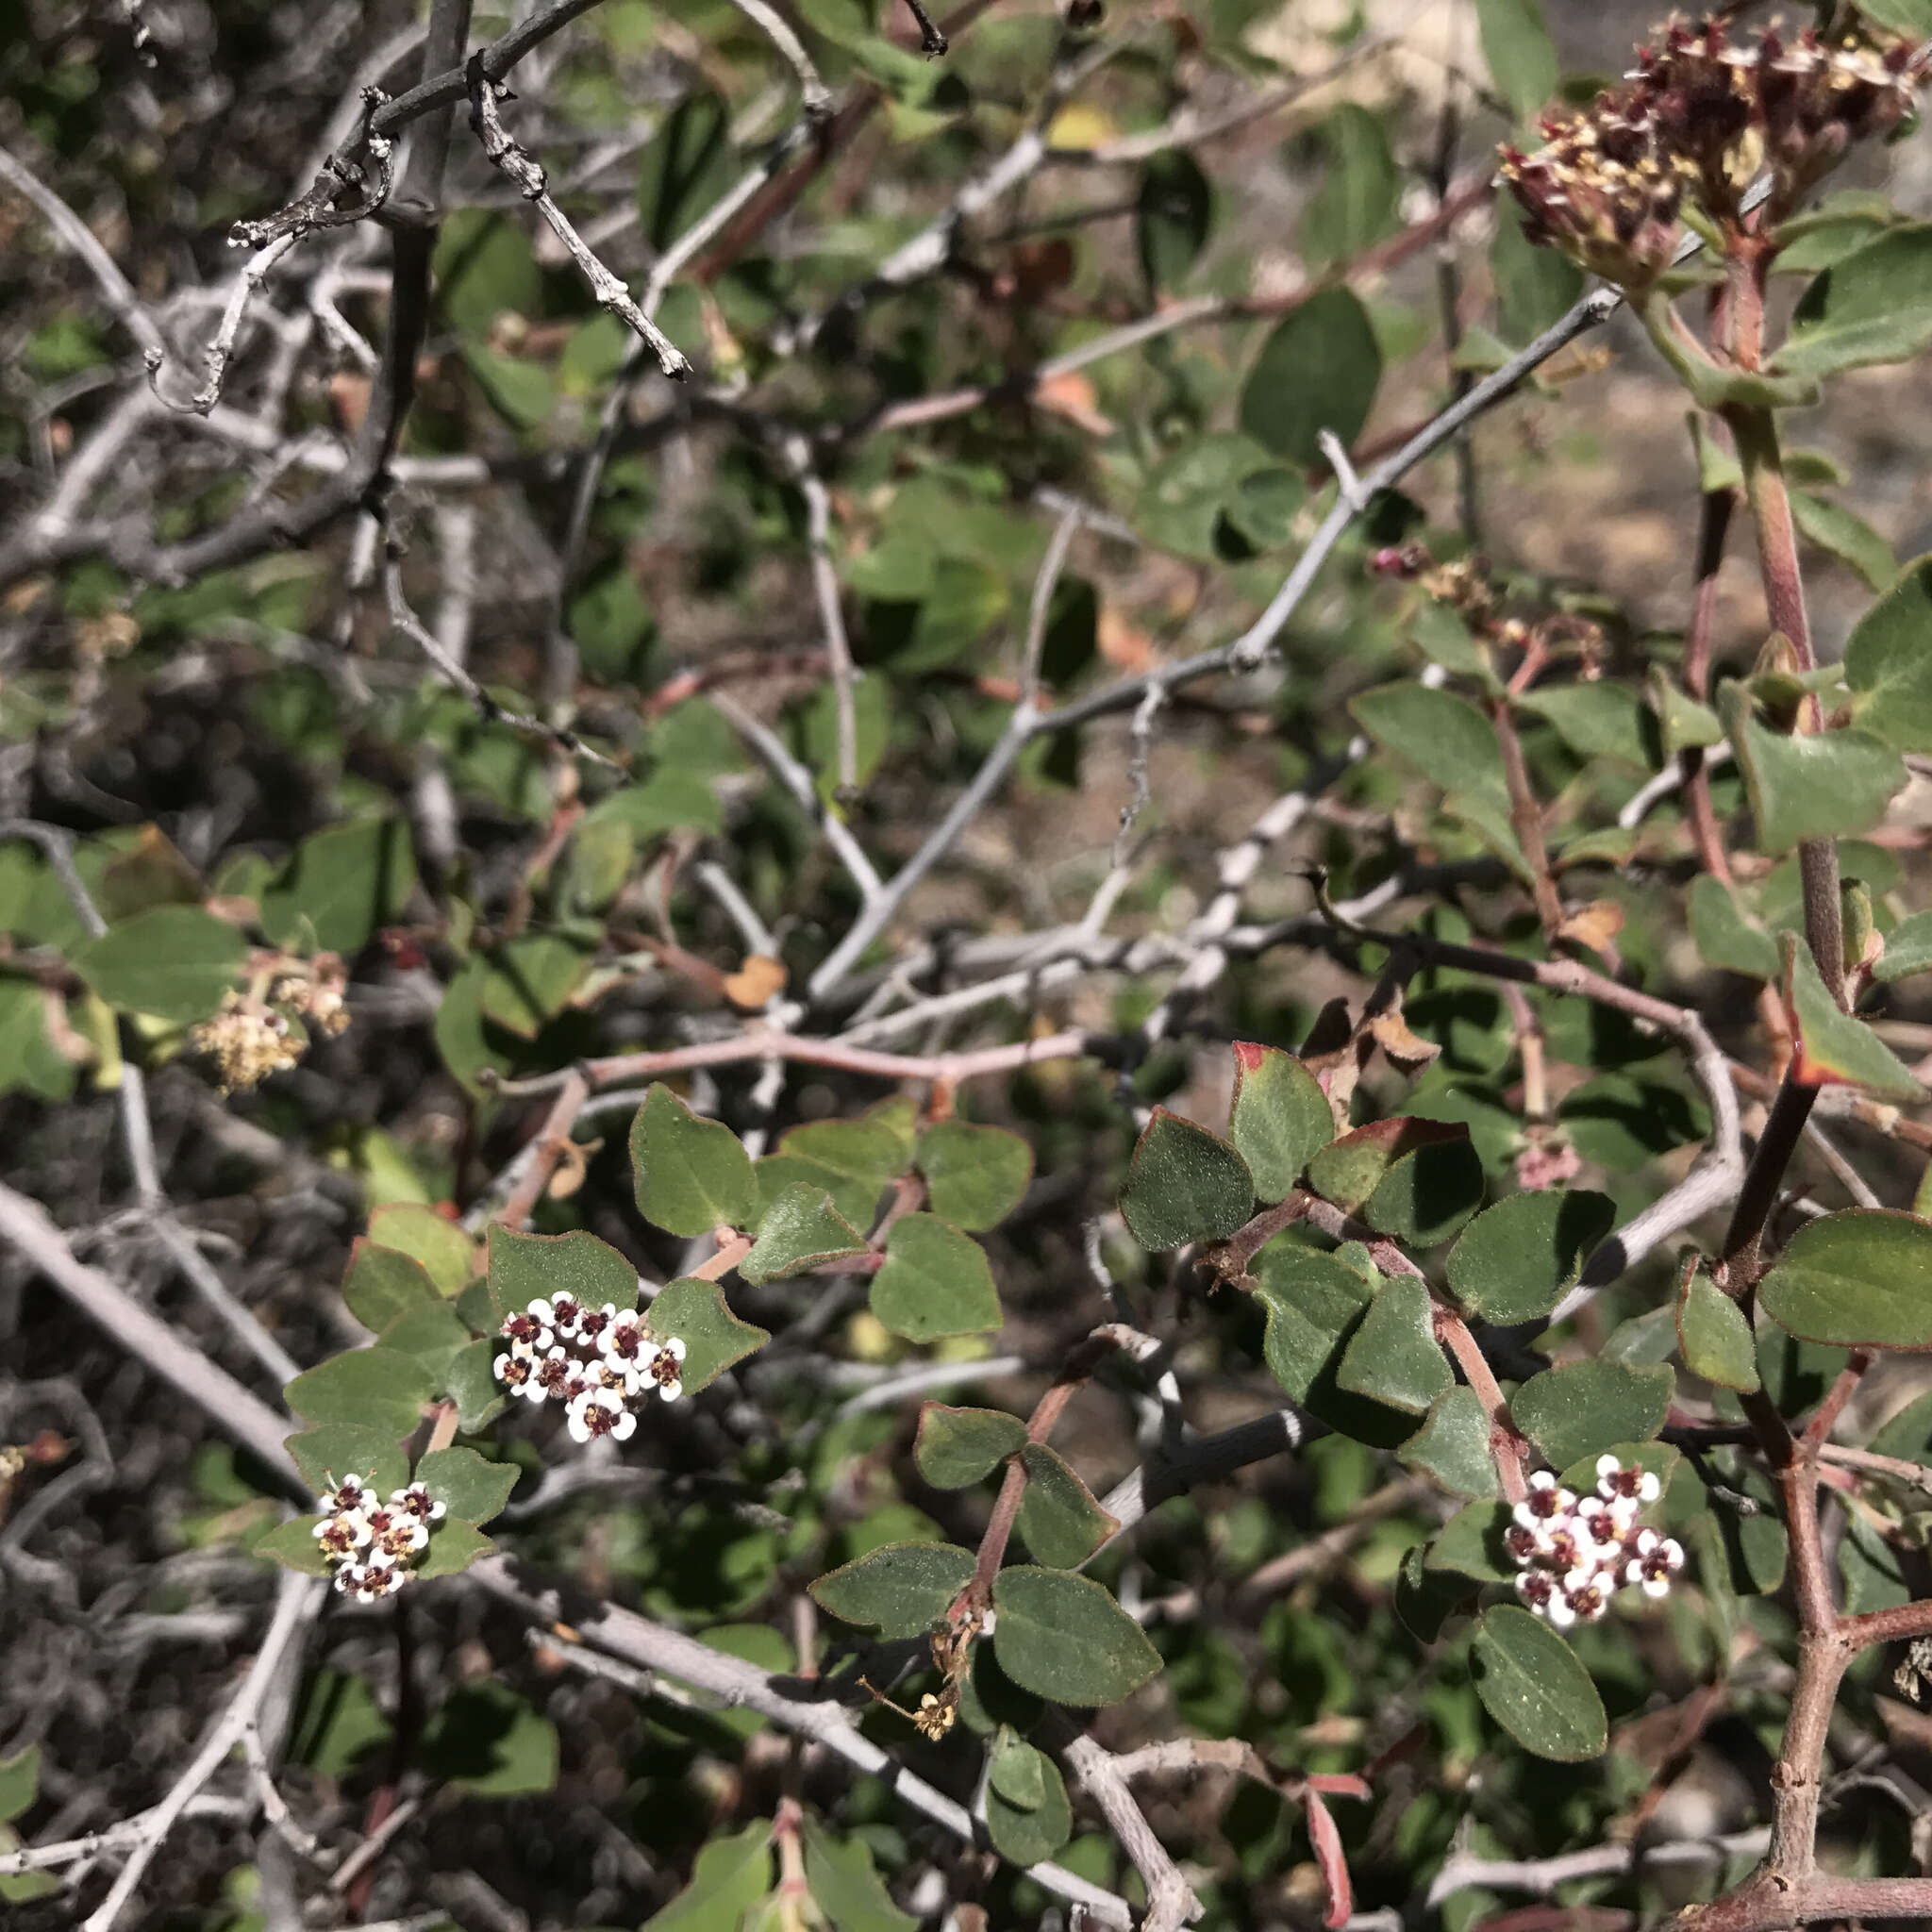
{"x": 606, "y": 289}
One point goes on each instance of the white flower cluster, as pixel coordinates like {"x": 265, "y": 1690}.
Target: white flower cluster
{"x": 374, "y": 1545}
{"x": 593, "y": 1360}
{"x": 1575, "y": 1555}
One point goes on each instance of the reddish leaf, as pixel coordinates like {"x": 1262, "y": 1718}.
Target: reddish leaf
{"x": 1327, "y": 1843}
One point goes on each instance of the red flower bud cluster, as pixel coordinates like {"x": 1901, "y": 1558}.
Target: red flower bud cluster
{"x": 1700, "y": 116}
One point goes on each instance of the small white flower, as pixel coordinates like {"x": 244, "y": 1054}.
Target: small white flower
{"x": 1654, "y": 1561}
{"x": 1547, "y": 1500}
{"x": 529, "y": 1331}
{"x": 594, "y": 1323}
{"x": 626, "y": 1345}
{"x": 554, "y": 1374}
{"x": 1536, "y": 1588}
{"x": 1635, "y": 1485}
{"x": 1605, "y": 1525}
{"x": 342, "y": 1535}
{"x": 369, "y": 1582}
{"x": 1587, "y": 1592}
{"x": 515, "y": 1370}
{"x": 560, "y": 1312}
{"x": 416, "y": 1501}
{"x": 597, "y": 1412}
{"x": 662, "y": 1368}
{"x": 1559, "y": 1610}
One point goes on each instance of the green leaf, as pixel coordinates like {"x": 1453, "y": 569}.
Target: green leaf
{"x": 1535, "y": 287}
{"x": 467, "y": 1050}
{"x": 1534, "y": 1685}
{"x": 686, "y": 167}
{"x": 729, "y": 1877}
{"x": 870, "y": 1152}
{"x": 1874, "y": 1580}
{"x": 1715, "y": 1338}
{"x": 1394, "y": 1357}
{"x": 434, "y": 1335}
{"x": 672, "y": 799}
{"x": 855, "y": 1203}
{"x": 344, "y": 883}
{"x": 1453, "y": 1445}
{"x": 696, "y": 1313}
{"x": 974, "y": 1176}
{"x": 474, "y": 1488}
{"x": 1446, "y": 738}
{"x": 1908, "y": 950}
{"x": 1174, "y": 213}
{"x": 935, "y": 1282}
{"x": 453, "y": 1547}
{"x": 489, "y": 1741}
{"x": 336, "y": 1725}
{"x": 1596, "y": 721}
{"x": 526, "y": 1267}
{"x": 1835, "y": 1049}
{"x": 1517, "y": 1260}
{"x": 968, "y": 598}
{"x": 1318, "y": 369}
{"x": 801, "y": 1230}
{"x": 1063, "y": 1638}
{"x": 379, "y": 1388}
{"x": 1060, "y": 1522}
{"x": 382, "y": 1285}
{"x": 1471, "y": 1544}
{"x": 1349, "y": 1171}
{"x": 1312, "y": 1301}
{"x": 1356, "y": 203}
{"x": 292, "y": 1544}
{"x": 326, "y": 1454}
{"x": 957, "y": 1447}
{"x": 469, "y": 1381}
{"x": 692, "y": 1174}
{"x": 1020, "y": 1830}
{"x": 1817, "y": 785}
{"x": 1017, "y": 1772}
{"x": 902, "y": 1590}
{"x": 1913, "y": 17}
{"x": 1848, "y": 538}
{"x": 1725, "y": 937}
{"x": 844, "y": 1885}
{"x": 1888, "y": 665}
{"x": 447, "y": 1252}
{"x": 523, "y": 393}
{"x": 20, "y": 1782}
{"x": 1183, "y": 1184}
{"x": 485, "y": 268}
{"x": 1586, "y": 1407}
{"x": 1861, "y": 1278}
{"x": 1429, "y": 1193}
{"x": 1873, "y": 305}
{"x": 1424, "y": 1599}
{"x": 530, "y": 981}
{"x": 1185, "y": 499}
{"x": 30, "y": 1060}
{"x": 176, "y": 962}
{"x": 1281, "y": 1118}
{"x": 1519, "y": 52}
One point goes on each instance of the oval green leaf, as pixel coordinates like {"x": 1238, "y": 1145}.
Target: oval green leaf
{"x": 1532, "y": 1683}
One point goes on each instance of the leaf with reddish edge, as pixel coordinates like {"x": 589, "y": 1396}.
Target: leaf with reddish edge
{"x": 1348, "y": 1171}
{"x": 1327, "y": 1843}
{"x": 1341, "y": 1784}
{"x": 1281, "y": 1118}
{"x": 1832, "y": 1048}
